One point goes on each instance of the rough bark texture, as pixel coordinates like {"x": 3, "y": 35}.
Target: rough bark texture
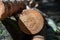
{"x": 9, "y": 8}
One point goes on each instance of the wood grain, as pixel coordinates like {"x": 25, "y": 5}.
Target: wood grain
{"x": 31, "y": 21}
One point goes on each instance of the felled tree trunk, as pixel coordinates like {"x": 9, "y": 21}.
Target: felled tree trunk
{"x": 9, "y": 8}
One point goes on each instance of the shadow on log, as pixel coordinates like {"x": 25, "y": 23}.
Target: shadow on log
{"x": 13, "y": 29}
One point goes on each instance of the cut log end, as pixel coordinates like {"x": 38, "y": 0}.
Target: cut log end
{"x": 32, "y": 20}
{"x": 2, "y": 10}
{"x": 38, "y": 37}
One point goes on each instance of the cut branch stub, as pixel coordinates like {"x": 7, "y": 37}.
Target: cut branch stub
{"x": 31, "y": 21}
{"x": 9, "y": 8}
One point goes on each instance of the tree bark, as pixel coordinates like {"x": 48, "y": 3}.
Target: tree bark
{"x": 9, "y": 8}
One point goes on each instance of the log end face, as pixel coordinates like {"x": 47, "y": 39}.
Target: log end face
{"x": 32, "y": 20}
{"x": 2, "y": 10}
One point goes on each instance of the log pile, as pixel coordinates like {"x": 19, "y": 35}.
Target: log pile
{"x": 30, "y": 21}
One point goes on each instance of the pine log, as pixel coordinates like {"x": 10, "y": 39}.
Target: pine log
{"x": 9, "y": 8}
{"x": 31, "y": 21}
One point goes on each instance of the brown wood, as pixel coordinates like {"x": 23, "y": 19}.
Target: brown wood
{"x": 9, "y": 8}
{"x": 38, "y": 37}
{"x": 31, "y": 21}
{"x": 2, "y": 9}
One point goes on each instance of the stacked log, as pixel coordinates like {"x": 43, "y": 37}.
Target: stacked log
{"x": 9, "y": 8}
{"x": 31, "y": 21}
